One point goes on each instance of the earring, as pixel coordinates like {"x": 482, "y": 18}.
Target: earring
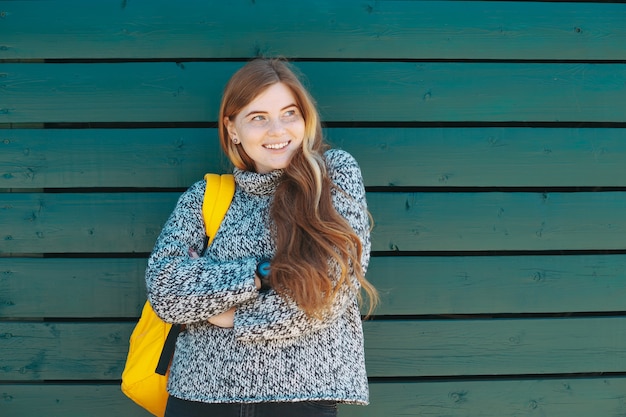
{"x": 235, "y": 140}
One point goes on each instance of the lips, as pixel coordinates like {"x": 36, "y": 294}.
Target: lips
{"x": 277, "y": 146}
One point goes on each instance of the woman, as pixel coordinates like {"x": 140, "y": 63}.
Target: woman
{"x": 287, "y": 343}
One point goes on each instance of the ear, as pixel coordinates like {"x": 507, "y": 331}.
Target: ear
{"x": 230, "y": 127}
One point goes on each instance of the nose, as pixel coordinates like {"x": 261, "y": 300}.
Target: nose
{"x": 276, "y": 127}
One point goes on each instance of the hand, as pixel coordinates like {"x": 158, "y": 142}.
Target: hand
{"x": 225, "y": 319}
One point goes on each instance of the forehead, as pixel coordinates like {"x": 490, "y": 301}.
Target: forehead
{"x": 275, "y": 97}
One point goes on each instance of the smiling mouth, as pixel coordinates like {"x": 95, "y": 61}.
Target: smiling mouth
{"x": 277, "y": 146}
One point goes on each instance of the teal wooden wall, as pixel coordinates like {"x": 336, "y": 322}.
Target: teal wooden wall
{"x": 492, "y": 138}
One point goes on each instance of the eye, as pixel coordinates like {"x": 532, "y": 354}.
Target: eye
{"x": 258, "y": 118}
{"x": 291, "y": 113}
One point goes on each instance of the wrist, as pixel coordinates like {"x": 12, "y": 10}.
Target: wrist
{"x": 262, "y": 274}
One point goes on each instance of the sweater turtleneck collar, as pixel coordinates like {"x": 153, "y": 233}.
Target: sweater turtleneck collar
{"x": 255, "y": 183}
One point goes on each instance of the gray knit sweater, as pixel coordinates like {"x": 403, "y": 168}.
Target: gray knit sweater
{"x": 274, "y": 352}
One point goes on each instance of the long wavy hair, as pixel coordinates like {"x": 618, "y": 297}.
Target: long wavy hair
{"x": 308, "y": 230}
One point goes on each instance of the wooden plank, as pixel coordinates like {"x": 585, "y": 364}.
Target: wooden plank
{"x": 71, "y": 288}
{"x": 498, "y": 221}
{"x": 67, "y": 400}
{"x": 500, "y": 398}
{"x": 49, "y": 158}
{"x": 461, "y": 157}
{"x": 574, "y": 397}
{"x": 97, "y": 222}
{"x": 499, "y": 284}
{"x": 495, "y": 346}
{"x": 321, "y": 29}
{"x": 487, "y": 157}
{"x": 97, "y": 351}
{"x": 411, "y": 92}
{"x": 427, "y": 221}
{"x": 446, "y": 285}
{"x": 63, "y": 351}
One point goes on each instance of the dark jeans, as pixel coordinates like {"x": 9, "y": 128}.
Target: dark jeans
{"x": 181, "y": 408}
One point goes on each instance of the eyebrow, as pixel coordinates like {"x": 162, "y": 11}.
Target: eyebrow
{"x": 263, "y": 112}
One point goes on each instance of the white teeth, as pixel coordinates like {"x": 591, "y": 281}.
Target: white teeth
{"x": 277, "y": 145}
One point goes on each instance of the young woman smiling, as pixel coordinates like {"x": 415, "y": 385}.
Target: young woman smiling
{"x": 273, "y": 324}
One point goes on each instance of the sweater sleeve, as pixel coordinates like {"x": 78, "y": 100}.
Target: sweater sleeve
{"x": 271, "y": 316}
{"x": 185, "y": 290}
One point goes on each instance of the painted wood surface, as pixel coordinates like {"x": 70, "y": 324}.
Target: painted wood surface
{"x": 50, "y": 158}
{"x": 501, "y": 272}
{"x": 71, "y": 288}
{"x": 107, "y": 222}
{"x": 394, "y": 348}
{"x": 487, "y": 157}
{"x": 68, "y": 400}
{"x": 498, "y": 221}
{"x": 453, "y": 285}
{"x": 144, "y": 29}
{"x": 424, "y": 221}
{"x": 357, "y": 91}
{"x": 495, "y": 347}
{"x": 601, "y": 396}
{"x": 498, "y": 398}
{"x": 421, "y": 157}
{"x": 409, "y": 285}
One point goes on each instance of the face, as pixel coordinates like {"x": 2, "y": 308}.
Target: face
{"x": 270, "y": 128}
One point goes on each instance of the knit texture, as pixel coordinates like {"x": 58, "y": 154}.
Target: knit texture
{"x": 274, "y": 352}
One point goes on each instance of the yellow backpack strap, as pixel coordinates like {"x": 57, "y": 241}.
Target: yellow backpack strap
{"x": 217, "y": 197}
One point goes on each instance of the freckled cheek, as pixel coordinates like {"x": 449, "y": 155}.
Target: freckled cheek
{"x": 252, "y": 132}
{"x": 297, "y": 129}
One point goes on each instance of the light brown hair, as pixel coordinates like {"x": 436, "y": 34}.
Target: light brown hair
{"x": 309, "y": 231}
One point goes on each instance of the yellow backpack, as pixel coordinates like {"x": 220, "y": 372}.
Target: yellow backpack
{"x": 152, "y": 342}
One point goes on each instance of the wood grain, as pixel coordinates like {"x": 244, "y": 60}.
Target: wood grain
{"x": 411, "y": 285}
{"x": 461, "y": 398}
{"x": 421, "y": 157}
{"x": 443, "y": 348}
{"x": 357, "y": 91}
{"x": 320, "y": 29}
{"x": 507, "y": 297}
{"x": 71, "y": 288}
{"x": 425, "y": 221}
{"x": 498, "y": 221}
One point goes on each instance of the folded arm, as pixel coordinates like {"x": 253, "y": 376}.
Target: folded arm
{"x": 184, "y": 288}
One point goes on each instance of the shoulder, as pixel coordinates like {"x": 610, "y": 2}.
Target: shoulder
{"x": 337, "y": 159}
{"x": 193, "y": 195}
{"x": 344, "y": 171}
{"x": 197, "y": 188}
{"x": 340, "y": 163}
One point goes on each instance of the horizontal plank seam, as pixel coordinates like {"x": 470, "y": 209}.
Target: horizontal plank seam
{"x": 466, "y": 253}
{"x": 495, "y": 316}
{"x": 498, "y": 189}
{"x": 373, "y": 318}
{"x": 374, "y": 254}
{"x": 183, "y": 59}
{"x": 377, "y": 380}
{"x": 61, "y": 382}
{"x": 501, "y": 377}
{"x": 372, "y": 189}
{"x": 379, "y": 124}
